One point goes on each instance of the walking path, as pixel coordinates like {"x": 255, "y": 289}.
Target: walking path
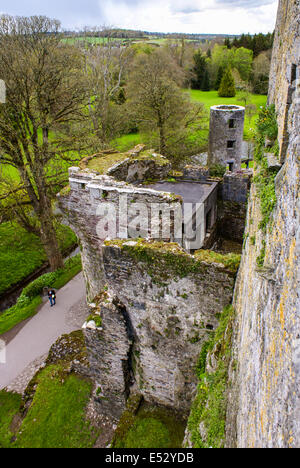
{"x": 27, "y": 346}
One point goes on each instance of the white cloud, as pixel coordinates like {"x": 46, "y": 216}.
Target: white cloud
{"x": 190, "y": 16}
{"x": 193, "y": 16}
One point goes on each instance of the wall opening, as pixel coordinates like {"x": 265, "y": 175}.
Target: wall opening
{"x": 127, "y": 365}
{"x": 230, "y": 144}
{"x": 209, "y": 221}
{"x": 230, "y": 166}
{"x": 293, "y": 73}
{"x": 231, "y": 123}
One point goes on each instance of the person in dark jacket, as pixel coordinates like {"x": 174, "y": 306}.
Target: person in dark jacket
{"x": 52, "y": 297}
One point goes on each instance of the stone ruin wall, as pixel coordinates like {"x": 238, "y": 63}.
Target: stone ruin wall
{"x": 87, "y": 192}
{"x": 264, "y": 403}
{"x": 232, "y": 204}
{"x": 152, "y": 330}
{"x": 154, "y": 324}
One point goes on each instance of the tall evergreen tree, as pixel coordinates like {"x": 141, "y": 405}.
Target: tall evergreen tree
{"x": 199, "y": 70}
{"x": 206, "y": 82}
{"x": 227, "y": 87}
{"x": 219, "y": 77}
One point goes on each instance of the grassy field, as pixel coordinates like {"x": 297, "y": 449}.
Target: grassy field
{"x": 9, "y": 407}
{"x": 22, "y": 253}
{"x": 56, "y": 417}
{"x": 126, "y": 142}
{"x": 151, "y": 427}
{"x": 208, "y": 98}
{"x": 211, "y": 98}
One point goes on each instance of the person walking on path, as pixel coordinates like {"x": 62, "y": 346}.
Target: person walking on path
{"x": 52, "y": 297}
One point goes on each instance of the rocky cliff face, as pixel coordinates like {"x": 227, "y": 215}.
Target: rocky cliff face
{"x": 264, "y": 403}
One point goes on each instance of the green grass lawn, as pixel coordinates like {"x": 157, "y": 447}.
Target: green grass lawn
{"x": 127, "y": 142}
{"x": 211, "y": 98}
{"x": 152, "y": 427}
{"x": 208, "y": 98}
{"x": 9, "y": 407}
{"x": 22, "y": 253}
{"x": 56, "y": 416}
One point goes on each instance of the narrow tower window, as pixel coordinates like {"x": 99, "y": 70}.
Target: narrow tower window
{"x": 231, "y": 123}
{"x": 230, "y": 144}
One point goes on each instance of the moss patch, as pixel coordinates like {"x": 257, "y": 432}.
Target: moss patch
{"x": 56, "y": 417}
{"x": 151, "y": 427}
{"x": 207, "y": 419}
{"x": 264, "y": 177}
{"x": 165, "y": 260}
{"x": 230, "y": 261}
{"x": 104, "y": 162}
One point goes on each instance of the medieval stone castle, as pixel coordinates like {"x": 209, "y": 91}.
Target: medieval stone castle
{"x": 158, "y": 252}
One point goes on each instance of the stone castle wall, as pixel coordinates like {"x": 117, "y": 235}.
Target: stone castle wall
{"x": 264, "y": 403}
{"x": 160, "y": 307}
{"x": 81, "y": 207}
{"x": 285, "y": 68}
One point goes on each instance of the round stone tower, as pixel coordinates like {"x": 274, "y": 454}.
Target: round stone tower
{"x": 226, "y": 136}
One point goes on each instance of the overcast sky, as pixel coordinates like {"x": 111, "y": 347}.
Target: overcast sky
{"x": 189, "y": 16}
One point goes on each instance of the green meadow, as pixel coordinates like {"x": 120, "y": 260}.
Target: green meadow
{"x": 209, "y": 99}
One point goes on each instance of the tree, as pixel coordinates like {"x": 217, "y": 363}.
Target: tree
{"x": 261, "y": 72}
{"x": 227, "y": 87}
{"x": 40, "y": 122}
{"x": 219, "y": 77}
{"x": 206, "y": 81}
{"x": 105, "y": 70}
{"x": 245, "y": 97}
{"x": 251, "y": 111}
{"x": 242, "y": 61}
{"x": 200, "y": 71}
{"x": 158, "y": 103}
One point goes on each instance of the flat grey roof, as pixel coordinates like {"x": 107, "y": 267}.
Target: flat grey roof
{"x": 191, "y": 192}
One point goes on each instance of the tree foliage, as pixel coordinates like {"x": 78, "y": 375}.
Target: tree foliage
{"x": 227, "y": 87}
{"x": 160, "y": 107}
{"x": 200, "y": 72}
{"x": 40, "y": 122}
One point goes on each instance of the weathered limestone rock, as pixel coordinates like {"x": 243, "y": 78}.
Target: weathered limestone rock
{"x": 108, "y": 357}
{"x": 264, "y": 402}
{"x": 169, "y": 313}
{"x": 285, "y": 69}
{"x": 196, "y": 173}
